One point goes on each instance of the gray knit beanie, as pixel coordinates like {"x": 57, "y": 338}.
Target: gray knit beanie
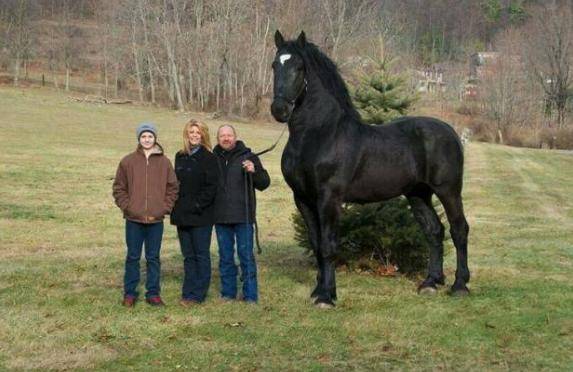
{"x": 146, "y": 127}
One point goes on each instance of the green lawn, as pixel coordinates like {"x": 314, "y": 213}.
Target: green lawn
{"x": 62, "y": 252}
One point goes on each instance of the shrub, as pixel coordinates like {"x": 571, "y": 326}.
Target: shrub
{"x": 376, "y": 234}
{"x": 557, "y": 138}
{"x": 483, "y": 130}
{"x": 522, "y": 137}
{"x": 468, "y": 108}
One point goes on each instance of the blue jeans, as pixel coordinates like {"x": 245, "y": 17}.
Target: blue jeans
{"x": 195, "y": 242}
{"x": 226, "y": 235}
{"x": 135, "y": 235}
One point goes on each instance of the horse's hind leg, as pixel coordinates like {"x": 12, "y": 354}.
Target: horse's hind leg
{"x": 459, "y": 230}
{"x": 428, "y": 219}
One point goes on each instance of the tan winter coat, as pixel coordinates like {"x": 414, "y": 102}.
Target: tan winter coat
{"x": 145, "y": 189}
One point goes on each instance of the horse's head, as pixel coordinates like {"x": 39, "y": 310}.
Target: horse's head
{"x": 289, "y": 77}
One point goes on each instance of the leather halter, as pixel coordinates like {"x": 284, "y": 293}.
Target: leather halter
{"x": 298, "y": 95}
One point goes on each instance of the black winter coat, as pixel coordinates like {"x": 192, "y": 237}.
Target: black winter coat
{"x": 198, "y": 176}
{"x": 230, "y": 205}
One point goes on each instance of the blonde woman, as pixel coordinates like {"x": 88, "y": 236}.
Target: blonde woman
{"x": 197, "y": 172}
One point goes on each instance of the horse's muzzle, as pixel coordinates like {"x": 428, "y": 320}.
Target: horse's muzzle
{"x": 281, "y": 110}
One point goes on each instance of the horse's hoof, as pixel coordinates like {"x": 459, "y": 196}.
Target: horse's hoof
{"x": 428, "y": 291}
{"x": 324, "y": 305}
{"x": 459, "y": 292}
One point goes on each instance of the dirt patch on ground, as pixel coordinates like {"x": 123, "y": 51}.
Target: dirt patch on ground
{"x": 9, "y": 80}
{"x": 62, "y": 359}
{"x": 6, "y": 80}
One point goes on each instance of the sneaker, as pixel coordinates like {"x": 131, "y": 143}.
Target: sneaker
{"x": 129, "y": 301}
{"x": 155, "y": 301}
{"x": 188, "y": 303}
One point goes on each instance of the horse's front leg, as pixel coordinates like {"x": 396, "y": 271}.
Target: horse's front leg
{"x": 309, "y": 215}
{"x": 328, "y": 216}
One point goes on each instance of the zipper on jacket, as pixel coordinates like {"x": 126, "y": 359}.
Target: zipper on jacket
{"x": 146, "y": 166}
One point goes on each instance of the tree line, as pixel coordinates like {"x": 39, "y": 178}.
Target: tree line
{"x": 215, "y": 55}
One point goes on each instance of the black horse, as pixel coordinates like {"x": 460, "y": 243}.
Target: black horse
{"x": 331, "y": 158}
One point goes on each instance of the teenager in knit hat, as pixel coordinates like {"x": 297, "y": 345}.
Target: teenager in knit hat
{"x": 145, "y": 189}
{"x": 146, "y": 127}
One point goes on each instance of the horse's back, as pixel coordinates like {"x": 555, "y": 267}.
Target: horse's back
{"x": 433, "y": 144}
{"x": 426, "y": 128}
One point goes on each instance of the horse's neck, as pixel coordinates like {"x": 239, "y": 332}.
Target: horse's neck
{"x": 318, "y": 111}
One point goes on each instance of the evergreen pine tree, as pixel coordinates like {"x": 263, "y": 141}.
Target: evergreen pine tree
{"x": 382, "y": 95}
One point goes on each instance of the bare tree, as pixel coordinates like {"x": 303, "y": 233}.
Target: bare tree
{"x": 18, "y": 33}
{"x": 342, "y": 20}
{"x": 503, "y": 90}
{"x": 107, "y": 31}
{"x": 149, "y": 61}
{"x": 551, "y": 56}
{"x": 71, "y": 39}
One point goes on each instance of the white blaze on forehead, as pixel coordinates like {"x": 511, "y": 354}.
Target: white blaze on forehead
{"x": 284, "y": 57}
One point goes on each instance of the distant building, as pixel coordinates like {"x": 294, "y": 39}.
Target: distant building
{"x": 431, "y": 80}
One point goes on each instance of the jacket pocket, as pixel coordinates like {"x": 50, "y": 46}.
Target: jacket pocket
{"x": 159, "y": 211}
{"x": 129, "y": 210}
{"x": 135, "y": 209}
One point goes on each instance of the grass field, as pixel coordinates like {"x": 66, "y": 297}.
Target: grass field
{"x": 62, "y": 254}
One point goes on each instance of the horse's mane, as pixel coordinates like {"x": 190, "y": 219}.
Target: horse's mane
{"x": 328, "y": 74}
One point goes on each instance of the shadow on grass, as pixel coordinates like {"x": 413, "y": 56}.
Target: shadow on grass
{"x": 289, "y": 261}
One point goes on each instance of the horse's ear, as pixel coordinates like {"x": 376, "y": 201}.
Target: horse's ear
{"x": 279, "y": 40}
{"x": 301, "y": 41}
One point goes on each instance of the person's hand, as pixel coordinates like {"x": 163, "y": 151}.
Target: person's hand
{"x": 248, "y": 166}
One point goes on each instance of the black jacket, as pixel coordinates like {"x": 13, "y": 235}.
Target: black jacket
{"x": 230, "y": 206}
{"x": 198, "y": 181}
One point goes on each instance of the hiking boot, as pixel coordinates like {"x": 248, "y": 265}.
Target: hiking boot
{"x": 129, "y": 301}
{"x": 155, "y": 301}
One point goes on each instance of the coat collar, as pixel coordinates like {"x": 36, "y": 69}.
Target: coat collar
{"x": 239, "y": 149}
{"x": 155, "y": 150}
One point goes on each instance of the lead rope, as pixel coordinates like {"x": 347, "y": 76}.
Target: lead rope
{"x": 252, "y": 189}
{"x": 274, "y": 144}
{"x": 249, "y": 191}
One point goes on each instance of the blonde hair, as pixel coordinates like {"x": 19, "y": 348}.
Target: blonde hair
{"x": 203, "y": 130}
